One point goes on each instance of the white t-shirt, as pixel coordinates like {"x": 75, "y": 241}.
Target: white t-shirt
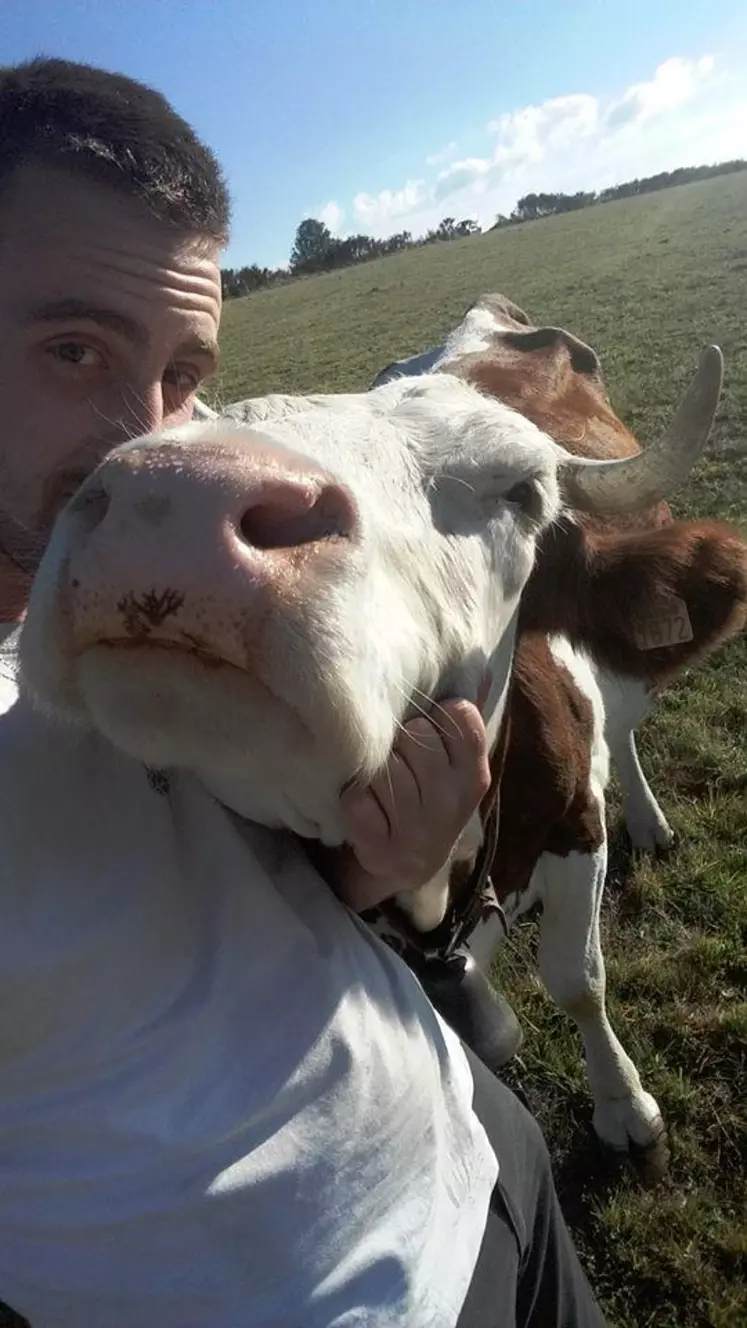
{"x": 223, "y": 1102}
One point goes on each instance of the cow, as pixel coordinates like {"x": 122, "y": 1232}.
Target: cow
{"x": 618, "y": 603}
{"x": 646, "y": 606}
{"x": 263, "y": 598}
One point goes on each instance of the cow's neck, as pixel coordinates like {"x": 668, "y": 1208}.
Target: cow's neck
{"x": 501, "y": 666}
{"x": 423, "y": 363}
{"x": 496, "y": 727}
{"x": 496, "y": 713}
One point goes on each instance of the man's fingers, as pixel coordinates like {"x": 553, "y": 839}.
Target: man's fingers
{"x": 397, "y": 792}
{"x": 405, "y": 824}
{"x": 421, "y": 746}
{"x": 465, "y": 741}
{"x": 380, "y": 817}
{"x": 363, "y": 815}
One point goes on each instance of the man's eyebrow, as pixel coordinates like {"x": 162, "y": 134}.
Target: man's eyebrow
{"x": 61, "y": 311}
{"x": 204, "y": 347}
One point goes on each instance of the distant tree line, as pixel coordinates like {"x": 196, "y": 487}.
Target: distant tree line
{"x": 243, "y": 280}
{"x": 533, "y": 206}
{"x": 315, "y": 249}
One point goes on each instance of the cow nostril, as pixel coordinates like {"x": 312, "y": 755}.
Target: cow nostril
{"x": 288, "y": 515}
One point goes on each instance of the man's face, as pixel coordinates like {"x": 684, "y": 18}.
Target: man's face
{"x": 108, "y": 325}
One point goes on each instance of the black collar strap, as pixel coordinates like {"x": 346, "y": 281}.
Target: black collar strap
{"x": 476, "y": 902}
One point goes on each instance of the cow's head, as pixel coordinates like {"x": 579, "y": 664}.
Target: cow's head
{"x": 546, "y": 373}
{"x": 555, "y": 380}
{"x": 263, "y": 600}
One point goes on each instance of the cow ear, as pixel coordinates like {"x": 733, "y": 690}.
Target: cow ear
{"x": 559, "y": 346}
{"x": 546, "y": 374}
{"x": 503, "y": 310}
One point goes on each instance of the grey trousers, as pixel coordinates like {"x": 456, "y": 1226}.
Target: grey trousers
{"x": 527, "y": 1274}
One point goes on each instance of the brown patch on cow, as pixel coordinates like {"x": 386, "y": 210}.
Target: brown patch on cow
{"x": 554, "y": 380}
{"x": 600, "y": 590}
{"x": 546, "y": 804}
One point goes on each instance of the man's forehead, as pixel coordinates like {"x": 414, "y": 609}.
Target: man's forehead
{"x": 66, "y": 238}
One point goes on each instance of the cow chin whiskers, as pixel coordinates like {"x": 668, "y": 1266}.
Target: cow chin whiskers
{"x": 426, "y": 707}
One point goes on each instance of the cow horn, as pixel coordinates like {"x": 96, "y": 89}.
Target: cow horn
{"x": 634, "y": 482}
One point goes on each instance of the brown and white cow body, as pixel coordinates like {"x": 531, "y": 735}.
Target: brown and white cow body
{"x": 616, "y": 606}
{"x": 262, "y": 600}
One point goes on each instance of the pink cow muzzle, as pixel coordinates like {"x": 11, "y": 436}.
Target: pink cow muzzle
{"x": 193, "y": 547}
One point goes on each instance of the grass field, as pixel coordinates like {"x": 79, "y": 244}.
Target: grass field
{"x": 647, "y": 282}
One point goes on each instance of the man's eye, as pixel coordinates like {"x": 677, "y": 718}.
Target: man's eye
{"x": 74, "y": 352}
{"x": 182, "y": 376}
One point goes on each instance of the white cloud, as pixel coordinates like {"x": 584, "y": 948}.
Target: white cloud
{"x": 459, "y": 176}
{"x": 332, "y": 214}
{"x": 445, "y": 154}
{"x": 554, "y": 123}
{"x": 689, "y": 112}
{"x": 673, "y": 84}
{"x": 376, "y": 211}
{"x": 530, "y": 135}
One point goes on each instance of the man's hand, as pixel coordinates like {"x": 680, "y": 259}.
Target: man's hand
{"x": 404, "y": 826}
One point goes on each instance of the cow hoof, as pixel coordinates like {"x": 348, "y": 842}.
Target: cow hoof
{"x": 654, "y": 837}
{"x": 627, "y": 1123}
{"x": 469, "y": 1003}
{"x": 652, "y": 1164}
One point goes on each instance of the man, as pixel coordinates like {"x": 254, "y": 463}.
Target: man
{"x": 125, "y": 355}
{"x": 222, "y": 1101}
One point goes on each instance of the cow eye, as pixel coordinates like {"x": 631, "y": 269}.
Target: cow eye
{"x": 525, "y": 495}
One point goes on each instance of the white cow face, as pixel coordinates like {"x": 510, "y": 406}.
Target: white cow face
{"x": 262, "y": 599}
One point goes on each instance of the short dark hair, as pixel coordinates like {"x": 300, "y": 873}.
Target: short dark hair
{"x": 116, "y": 131}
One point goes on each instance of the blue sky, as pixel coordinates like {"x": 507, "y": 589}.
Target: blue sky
{"x": 383, "y": 115}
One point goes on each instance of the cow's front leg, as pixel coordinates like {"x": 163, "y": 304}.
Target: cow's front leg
{"x": 572, "y": 968}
